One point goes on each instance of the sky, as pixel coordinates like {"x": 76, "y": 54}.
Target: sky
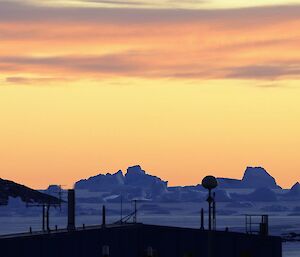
{"x": 183, "y": 88}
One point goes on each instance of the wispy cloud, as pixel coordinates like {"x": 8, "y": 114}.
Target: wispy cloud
{"x": 270, "y": 71}
{"x": 259, "y": 43}
{"x": 140, "y": 65}
{"x": 166, "y": 4}
{"x": 19, "y": 80}
{"x": 20, "y": 11}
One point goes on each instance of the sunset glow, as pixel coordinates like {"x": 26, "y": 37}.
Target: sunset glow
{"x": 183, "y": 89}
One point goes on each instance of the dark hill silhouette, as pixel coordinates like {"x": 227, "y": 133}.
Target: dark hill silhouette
{"x": 11, "y": 189}
{"x": 136, "y": 183}
{"x": 102, "y": 182}
{"x": 258, "y": 177}
{"x": 134, "y": 179}
{"x": 293, "y": 193}
{"x": 254, "y": 177}
{"x": 295, "y": 190}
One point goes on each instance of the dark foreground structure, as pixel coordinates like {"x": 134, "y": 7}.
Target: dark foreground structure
{"x": 139, "y": 240}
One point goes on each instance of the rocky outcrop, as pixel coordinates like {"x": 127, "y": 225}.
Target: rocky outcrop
{"x": 135, "y": 176}
{"x": 258, "y": 177}
{"x": 102, "y": 183}
{"x": 293, "y": 193}
{"x": 254, "y": 177}
{"x": 135, "y": 184}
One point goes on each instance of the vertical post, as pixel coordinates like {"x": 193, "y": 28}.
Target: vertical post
{"x": 43, "y": 213}
{"x": 210, "y": 182}
{"x": 103, "y": 216}
{"x": 209, "y": 209}
{"x": 202, "y": 219}
{"x": 47, "y": 217}
{"x": 71, "y": 209}
{"x": 214, "y": 212}
{"x": 263, "y": 226}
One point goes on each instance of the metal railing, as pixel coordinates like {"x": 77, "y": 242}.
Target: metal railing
{"x": 257, "y": 224}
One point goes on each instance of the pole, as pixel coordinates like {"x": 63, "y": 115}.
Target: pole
{"x": 214, "y": 212}
{"x": 209, "y": 209}
{"x": 103, "y": 216}
{"x": 202, "y": 219}
{"x": 71, "y": 209}
{"x": 47, "y": 217}
{"x": 43, "y": 218}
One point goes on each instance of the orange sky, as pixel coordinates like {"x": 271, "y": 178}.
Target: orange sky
{"x": 182, "y": 92}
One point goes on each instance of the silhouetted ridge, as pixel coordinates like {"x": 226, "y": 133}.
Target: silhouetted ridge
{"x": 138, "y": 184}
{"x": 135, "y": 176}
{"x": 135, "y": 184}
{"x": 294, "y": 192}
{"x": 11, "y": 189}
{"x": 257, "y": 177}
{"x": 254, "y": 177}
{"x": 102, "y": 182}
{"x": 230, "y": 183}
